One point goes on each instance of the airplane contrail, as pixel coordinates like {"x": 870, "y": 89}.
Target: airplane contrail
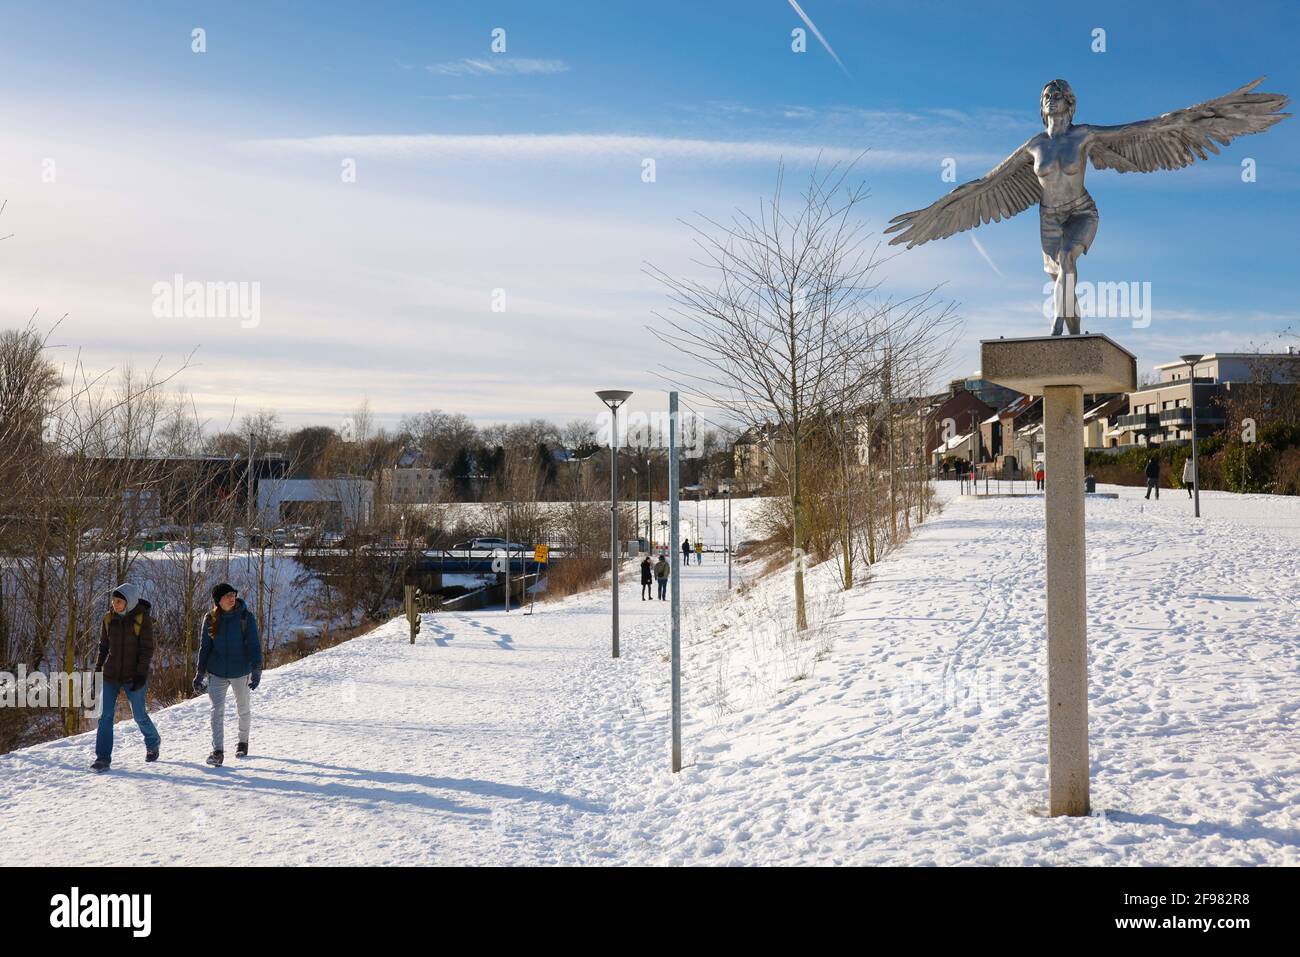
{"x": 818, "y": 34}
{"x": 987, "y": 258}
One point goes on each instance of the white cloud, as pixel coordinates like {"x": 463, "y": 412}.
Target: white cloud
{"x": 589, "y": 146}
{"x": 497, "y": 66}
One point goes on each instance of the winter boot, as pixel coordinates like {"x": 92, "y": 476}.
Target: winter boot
{"x": 241, "y": 749}
{"x": 216, "y": 758}
{"x": 100, "y": 766}
{"x": 151, "y": 754}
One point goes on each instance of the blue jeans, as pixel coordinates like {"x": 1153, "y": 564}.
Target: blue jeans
{"x": 663, "y": 588}
{"x": 104, "y": 736}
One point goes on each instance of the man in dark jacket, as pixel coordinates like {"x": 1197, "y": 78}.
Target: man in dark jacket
{"x": 230, "y": 657}
{"x": 1153, "y": 476}
{"x": 647, "y": 578}
{"x": 125, "y": 648}
{"x": 686, "y": 551}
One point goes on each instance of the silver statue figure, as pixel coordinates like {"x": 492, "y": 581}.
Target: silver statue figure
{"x": 1049, "y": 170}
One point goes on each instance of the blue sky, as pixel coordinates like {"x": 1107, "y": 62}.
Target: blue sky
{"x": 521, "y": 171}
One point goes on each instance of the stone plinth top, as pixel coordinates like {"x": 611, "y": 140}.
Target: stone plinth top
{"x": 1095, "y": 362}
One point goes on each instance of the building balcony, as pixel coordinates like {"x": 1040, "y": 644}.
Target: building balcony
{"x": 1139, "y": 422}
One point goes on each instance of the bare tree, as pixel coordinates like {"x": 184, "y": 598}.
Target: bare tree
{"x": 787, "y": 326}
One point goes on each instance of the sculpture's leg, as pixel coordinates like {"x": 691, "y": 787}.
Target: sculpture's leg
{"x": 1064, "y": 295}
{"x": 1053, "y": 269}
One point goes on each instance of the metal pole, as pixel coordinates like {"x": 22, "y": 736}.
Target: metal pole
{"x": 729, "y": 539}
{"x": 507, "y": 558}
{"x": 676, "y": 582}
{"x": 1196, "y": 465}
{"x": 250, "y": 488}
{"x": 613, "y": 521}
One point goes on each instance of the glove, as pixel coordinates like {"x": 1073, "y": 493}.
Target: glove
{"x": 139, "y": 681}
{"x": 254, "y": 680}
{"x": 199, "y": 683}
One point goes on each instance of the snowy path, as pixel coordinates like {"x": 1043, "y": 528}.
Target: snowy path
{"x": 375, "y": 752}
{"x": 921, "y": 738}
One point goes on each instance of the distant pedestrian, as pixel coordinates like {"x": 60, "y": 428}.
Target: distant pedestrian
{"x": 1189, "y": 476}
{"x": 230, "y": 657}
{"x": 1039, "y": 476}
{"x": 662, "y": 571}
{"x": 125, "y": 649}
{"x": 1153, "y": 477}
{"x": 686, "y": 551}
{"x": 699, "y": 552}
{"x": 647, "y": 578}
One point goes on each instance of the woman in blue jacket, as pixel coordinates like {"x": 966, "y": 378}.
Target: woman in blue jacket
{"x": 230, "y": 656}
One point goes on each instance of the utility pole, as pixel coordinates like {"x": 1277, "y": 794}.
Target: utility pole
{"x": 676, "y": 583}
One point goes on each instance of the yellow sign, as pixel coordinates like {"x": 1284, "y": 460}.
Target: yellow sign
{"x": 541, "y": 554}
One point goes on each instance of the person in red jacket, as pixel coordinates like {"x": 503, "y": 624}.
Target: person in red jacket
{"x": 125, "y": 649}
{"x": 1039, "y": 476}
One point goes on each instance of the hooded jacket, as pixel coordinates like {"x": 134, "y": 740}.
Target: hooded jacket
{"x": 124, "y": 655}
{"x": 232, "y": 649}
{"x": 647, "y": 572}
{"x": 662, "y": 568}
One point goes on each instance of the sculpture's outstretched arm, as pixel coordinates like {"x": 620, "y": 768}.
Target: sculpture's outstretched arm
{"x": 1178, "y": 139}
{"x": 1009, "y": 188}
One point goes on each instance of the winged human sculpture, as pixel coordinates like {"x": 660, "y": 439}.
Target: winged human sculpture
{"x": 1049, "y": 170}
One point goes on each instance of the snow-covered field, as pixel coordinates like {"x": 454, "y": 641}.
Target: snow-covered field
{"x": 909, "y": 728}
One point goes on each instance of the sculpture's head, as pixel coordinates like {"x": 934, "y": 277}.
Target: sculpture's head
{"x": 1057, "y": 98}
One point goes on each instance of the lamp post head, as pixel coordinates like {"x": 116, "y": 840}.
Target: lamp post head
{"x": 613, "y": 397}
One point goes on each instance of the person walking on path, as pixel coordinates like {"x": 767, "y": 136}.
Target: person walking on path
{"x": 1153, "y": 477}
{"x": 1039, "y": 476}
{"x": 699, "y": 552}
{"x": 647, "y": 578}
{"x": 230, "y": 657}
{"x": 662, "y": 571}
{"x": 125, "y": 649}
{"x": 1189, "y": 475}
{"x": 686, "y": 551}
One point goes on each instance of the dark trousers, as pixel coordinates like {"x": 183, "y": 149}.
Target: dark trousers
{"x": 645, "y": 590}
{"x": 1189, "y": 491}
{"x": 1153, "y": 484}
{"x": 663, "y": 588}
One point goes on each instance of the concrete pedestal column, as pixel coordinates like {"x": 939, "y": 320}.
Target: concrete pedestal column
{"x": 1067, "y": 606}
{"x": 1061, "y": 369}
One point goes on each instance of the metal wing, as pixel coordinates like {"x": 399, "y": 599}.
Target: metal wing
{"x": 1009, "y": 188}
{"x": 1178, "y": 139}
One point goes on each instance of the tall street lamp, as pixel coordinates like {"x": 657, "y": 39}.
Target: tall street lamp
{"x": 613, "y": 398}
{"x": 1191, "y": 359}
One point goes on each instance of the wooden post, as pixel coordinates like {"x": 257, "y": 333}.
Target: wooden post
{"x": 412, "y": 610}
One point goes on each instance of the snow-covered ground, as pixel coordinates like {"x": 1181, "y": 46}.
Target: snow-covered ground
{"x": 909, "y": 728}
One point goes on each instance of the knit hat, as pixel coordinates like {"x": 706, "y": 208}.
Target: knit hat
{"x": 225, "y": 588}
